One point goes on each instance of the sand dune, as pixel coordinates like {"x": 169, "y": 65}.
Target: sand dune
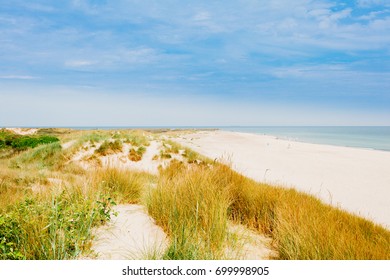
{"x": 357, "y": 180}
{"x": 22, "y": 131}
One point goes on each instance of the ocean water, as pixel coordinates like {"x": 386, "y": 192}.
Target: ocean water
{"x": 368, "y": 137}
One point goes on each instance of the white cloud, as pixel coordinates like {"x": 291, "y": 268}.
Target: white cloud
{"x": 17, "y": 77}
{"x": 373, "y": 15}
{"x": 201, "y": 16}
{"x": 139, "y": 55}
{"x": 79, "y": 63}
{"x": 368, "y": 3}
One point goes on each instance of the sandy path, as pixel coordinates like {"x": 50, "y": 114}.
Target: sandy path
{"x": 250, "y": 245}
{"x": 357, "y": 180}
{"x": 132, "y": 234}
{"x": 68, "y": 144}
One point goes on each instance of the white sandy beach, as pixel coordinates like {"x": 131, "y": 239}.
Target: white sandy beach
{"x": 357, "y": 180}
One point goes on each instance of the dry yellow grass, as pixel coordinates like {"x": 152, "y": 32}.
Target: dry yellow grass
{"x": 192, "y": 208}
{"x": 192, "y": 202}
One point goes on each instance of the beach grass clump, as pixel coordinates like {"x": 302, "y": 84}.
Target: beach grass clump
{"x": 44, "y": 156}
{"x": 51, "y": 227}
{"x": 122, "y": 185}
{"x": 136, "y": 154}
{"x": 191, "y": 207}
{"x": 82, "y": 141}
{"x": 190, "y": 155}
{"x": 136, "y": 138}
{"x": 11, "y": 189}
{"x": 308, "y": 229}
{"x": 172, "y": 147}
{"x": 302, "y": 226}
{"x": 108, "y": 147}
{"x": 92, "y": 138}
{"x": 164, "y": 155}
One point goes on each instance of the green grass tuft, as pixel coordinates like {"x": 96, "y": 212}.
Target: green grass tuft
{"x": 108, "y": 147}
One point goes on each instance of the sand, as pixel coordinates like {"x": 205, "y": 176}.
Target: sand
{"x": 22, "y": 131}
{"x": 356, "y": 180}
{"x": 132, "y": 234}
{"x": 120, "y": 160}
{"x": 250, "y": 245}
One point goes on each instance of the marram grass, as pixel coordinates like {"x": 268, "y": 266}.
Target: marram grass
{"x": 193, "y": 202}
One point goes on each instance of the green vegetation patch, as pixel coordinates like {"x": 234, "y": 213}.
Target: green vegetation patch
{"x": 43, "y": 156}
{"x": 109, "y": 147}
{"x": 135, "y": 138}
{"x": 23, "y": 142}
{"x": 51, "y": 229}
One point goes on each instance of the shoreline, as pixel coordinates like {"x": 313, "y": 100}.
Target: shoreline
{"x": 313, "y": 137}
{"x": 276, "y": 137}
{"x": 354, "y": 179}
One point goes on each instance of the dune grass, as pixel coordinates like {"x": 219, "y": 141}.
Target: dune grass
{"x": 195, "y": 222}
{"x": 108, "y": 147}
{"x": 44, "y": 156}
{"x": 51, "y": 226}
{"x": 57, "y": 222}
{"x": 193, "y": 202}
{"x": 122, "y": 185}
{"x": 136, "y": 138}
{"x": 301, "y": 226}
{"x": 136, "y": 154}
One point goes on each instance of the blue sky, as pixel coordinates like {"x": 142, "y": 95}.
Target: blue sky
{"x": 247, "y": 62}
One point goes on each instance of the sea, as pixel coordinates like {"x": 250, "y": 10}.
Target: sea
{"x": 367, "y": 137}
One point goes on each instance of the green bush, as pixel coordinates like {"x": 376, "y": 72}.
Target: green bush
{"x": 23, "y": 142}
{"x": 59, "y": 228}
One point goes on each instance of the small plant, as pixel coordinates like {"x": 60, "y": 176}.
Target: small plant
{"x": 165, "y": 155}
{"x": 105, "y": 205}
{"x": 136, "y": 138}
{"x": 136, "y": 155}
{"x": 190, "y": 155}
{"x": 172, "y": 147}
{"x": 108, "y": 147}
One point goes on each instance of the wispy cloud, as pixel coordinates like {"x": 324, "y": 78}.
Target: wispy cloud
{"x": 17, "y": 77}
{"x": 79, "y": 63}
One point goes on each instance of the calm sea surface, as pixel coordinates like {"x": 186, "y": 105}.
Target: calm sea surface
{"x": 369, "y": 137}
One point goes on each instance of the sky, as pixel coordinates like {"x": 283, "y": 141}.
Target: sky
{"x": 194, "y": 63}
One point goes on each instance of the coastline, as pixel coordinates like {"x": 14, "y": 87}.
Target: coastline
{"x": 355, "y": 179}
{"x": 362, "y": 137}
